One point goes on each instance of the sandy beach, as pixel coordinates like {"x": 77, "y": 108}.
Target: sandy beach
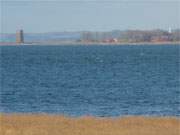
{"x": 31, "y": 124}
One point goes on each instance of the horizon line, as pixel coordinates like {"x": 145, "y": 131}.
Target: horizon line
{"x": 68, "y": 31}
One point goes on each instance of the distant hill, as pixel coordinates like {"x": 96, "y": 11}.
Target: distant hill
{"x": 39, "y": 37}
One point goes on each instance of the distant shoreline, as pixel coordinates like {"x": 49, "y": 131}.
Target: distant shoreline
{"x": 88, "y": 43}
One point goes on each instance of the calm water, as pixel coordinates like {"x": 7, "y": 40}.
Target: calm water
{"x": 90, "y": 80}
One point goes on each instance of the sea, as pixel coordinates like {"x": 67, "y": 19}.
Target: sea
{"x": 90, "y": 80}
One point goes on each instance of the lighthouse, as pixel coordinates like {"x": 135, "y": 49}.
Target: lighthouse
{"x": 19, "y": 36}
{"x": 170, "y": 31}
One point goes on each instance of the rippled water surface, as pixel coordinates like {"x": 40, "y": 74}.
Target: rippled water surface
{"x": 90, "y": 80}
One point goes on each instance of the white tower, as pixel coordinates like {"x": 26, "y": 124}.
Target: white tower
{"x": 170, "y": 30}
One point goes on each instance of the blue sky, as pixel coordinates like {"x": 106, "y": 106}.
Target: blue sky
{"x": 97, "y": 15}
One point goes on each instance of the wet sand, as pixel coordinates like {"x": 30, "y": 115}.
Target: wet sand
{"x": 39, "y": 124}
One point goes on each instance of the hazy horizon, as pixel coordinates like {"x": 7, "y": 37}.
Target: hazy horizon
{"x": 54, "y": 32}
{"x": 69, "y": 16}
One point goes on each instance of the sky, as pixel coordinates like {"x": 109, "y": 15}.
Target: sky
{"x": 36, "y": 16}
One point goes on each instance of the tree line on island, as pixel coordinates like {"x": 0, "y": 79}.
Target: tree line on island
{"x": 132, "y": 36}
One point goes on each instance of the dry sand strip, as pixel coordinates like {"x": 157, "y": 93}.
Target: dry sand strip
{"x": 28, "y": 124}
